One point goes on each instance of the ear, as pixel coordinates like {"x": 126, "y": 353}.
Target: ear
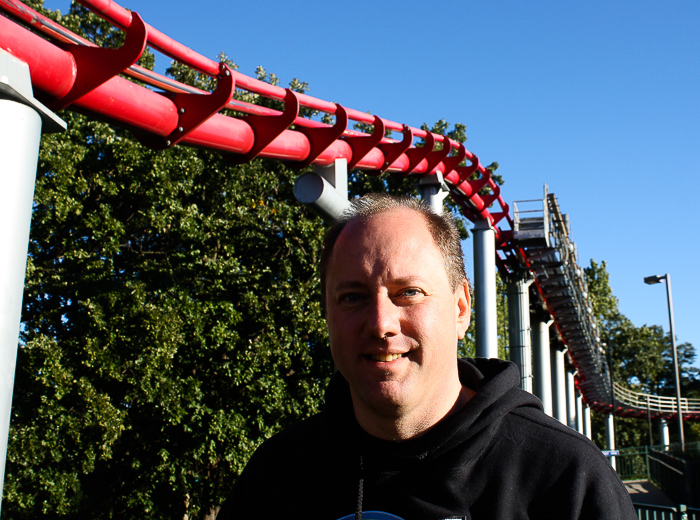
{"x": 463, "y": 308}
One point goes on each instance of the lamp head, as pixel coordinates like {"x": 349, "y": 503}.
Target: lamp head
{"x": 650, "y": 280}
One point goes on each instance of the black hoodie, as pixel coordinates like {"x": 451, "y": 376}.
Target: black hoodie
{"x": 499, "y": 457}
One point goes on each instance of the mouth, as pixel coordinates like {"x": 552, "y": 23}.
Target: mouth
{"x": 385, "y": 358}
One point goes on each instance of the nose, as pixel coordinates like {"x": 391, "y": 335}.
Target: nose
{"x": 383, "y": 320}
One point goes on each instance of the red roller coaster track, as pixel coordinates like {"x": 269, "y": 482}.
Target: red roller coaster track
{"x": 70, "y": 71}
{"x": 86, "y": 77}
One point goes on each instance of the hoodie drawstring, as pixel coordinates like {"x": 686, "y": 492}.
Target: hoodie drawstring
{"x": 360, "y": 492}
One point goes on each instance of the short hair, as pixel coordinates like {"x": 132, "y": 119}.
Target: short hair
{"x": 442, "y": 227}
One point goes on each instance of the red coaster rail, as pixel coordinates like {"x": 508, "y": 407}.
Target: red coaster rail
{"x": 68, "y": 71}
{"x": 85, "y": 77}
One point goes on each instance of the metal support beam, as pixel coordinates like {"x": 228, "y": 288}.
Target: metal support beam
{"x": 579, "y": 413}
{"x": 558, "y": 384}
{"x": 610, "y": 431}
{"x": 587, "y": 430}
{"x": 485, "y": 290}
{"x": 519, "y": 334}
{"x": 325, "y": 190}
{"x": 21, "y": 118}
{"x": 664, "y": 433}
{"x": 541, "y": 361}
{"x": 433, "y": 191}
{"x": 570, "y": 400}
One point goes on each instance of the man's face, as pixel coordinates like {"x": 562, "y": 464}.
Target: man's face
{"x": 393, "y": 318}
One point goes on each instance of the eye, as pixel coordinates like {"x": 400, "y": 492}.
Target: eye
{"x": 350, "y": 298}
{"x": 411, "y": 292}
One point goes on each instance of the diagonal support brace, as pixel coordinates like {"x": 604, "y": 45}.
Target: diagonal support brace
{"x": 417, "y": 154}
{"x": 392, "y": 151}
{"x": 321, "y": 138}
{"x": 362, "y": 144}
{"x": 267, "y": 128}
{"x": 195, "y": 109}
{"x": 97, "y": 65}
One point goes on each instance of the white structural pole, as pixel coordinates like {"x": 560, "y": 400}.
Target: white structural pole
{"x": 433, "y": 191}
{"x": 664, "y": 433}
{"x": 579, "y": 413}
{"x": 541, "y": 362}
{"x": 676, "y": 376}
{"x": 570, "y": 400}
{"x": 587, "y": 430}
{"x": 558, "y": 384}
{"x": 325, "y": 190}
{"x": 21, "y": 119}
{"x": 610, "y": 431}
{"x": 519, "y": 334}
{"x": 485, "y": 290}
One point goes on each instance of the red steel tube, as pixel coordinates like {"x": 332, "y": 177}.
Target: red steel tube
{"x": 52, "y": 70}
{"x": 120, "y": 17}
{"x": 128, "y": 104}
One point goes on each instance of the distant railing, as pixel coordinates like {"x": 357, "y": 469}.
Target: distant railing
{"x": 654, "y": 403}
{"x": 651, "y": 512}
{"x": 673, "y": 470}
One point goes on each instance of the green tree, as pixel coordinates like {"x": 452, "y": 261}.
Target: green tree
{"x": 640, "y": 358}
{"x": 171, "y": 319}
{"x": 171, "y": 322}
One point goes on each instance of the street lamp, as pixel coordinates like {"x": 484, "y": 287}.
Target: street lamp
{"x": 650, "y": 280}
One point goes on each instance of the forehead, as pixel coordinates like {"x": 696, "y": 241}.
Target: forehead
{"x": 396, "y": 239}
{"x": 401, "y": 223}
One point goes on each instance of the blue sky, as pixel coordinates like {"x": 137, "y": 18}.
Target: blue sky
{"x": 599, "y": 99}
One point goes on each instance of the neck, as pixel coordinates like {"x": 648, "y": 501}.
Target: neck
{"x": 397, "y": 426}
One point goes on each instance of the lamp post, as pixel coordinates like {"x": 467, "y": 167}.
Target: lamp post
{"x": 650, "y": 280}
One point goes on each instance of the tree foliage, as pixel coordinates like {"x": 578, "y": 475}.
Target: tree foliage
{"x": 171, "y": 318}
{"x": 171, "y": 322}
{"x": 640, "y": 358}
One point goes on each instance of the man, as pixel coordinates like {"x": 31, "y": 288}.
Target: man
{"x": 408, "y": 431}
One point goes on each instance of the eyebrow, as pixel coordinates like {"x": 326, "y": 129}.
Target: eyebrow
{"x": 403, "y": 281}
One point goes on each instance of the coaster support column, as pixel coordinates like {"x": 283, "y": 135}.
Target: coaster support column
{"x": 21, "y": 121}
{"x": 485, "y": 289}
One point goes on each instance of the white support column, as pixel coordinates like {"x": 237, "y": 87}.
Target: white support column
{"x": 610, "y": 431}
{"x": 587, "y": 430}
{"x": 519, "y": 334}
{"x": 433, "y": 191}
{"x": 570, "y": 400}
{"x": 541, "y": 361}
{"x": 485, "y": 290}
{"x": 579, "y": 413}
{"x": 325, "y": 190}
{"x": 21, "y": 118}
{"x": 664, "y": 434}
{"x": 558, "y": 384}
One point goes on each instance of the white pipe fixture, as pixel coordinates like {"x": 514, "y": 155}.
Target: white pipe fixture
{"x": 16, "y": 85}
{"x": 519, "y": 333}
{"x": 570, "y": 400}
{"x": 433, "y": 191}
{"x": 587, "y": 430}
{"x": 610, "y": 431}
{"x": 542, "y": 364}
{"x": 485, "y": 290}
{"x": 559, "y": 384}
{"x": 21, "y": 119}
{"x": 325, "y": 190}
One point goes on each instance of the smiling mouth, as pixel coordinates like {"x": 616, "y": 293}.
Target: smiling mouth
{"x": 385, "y": 357}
